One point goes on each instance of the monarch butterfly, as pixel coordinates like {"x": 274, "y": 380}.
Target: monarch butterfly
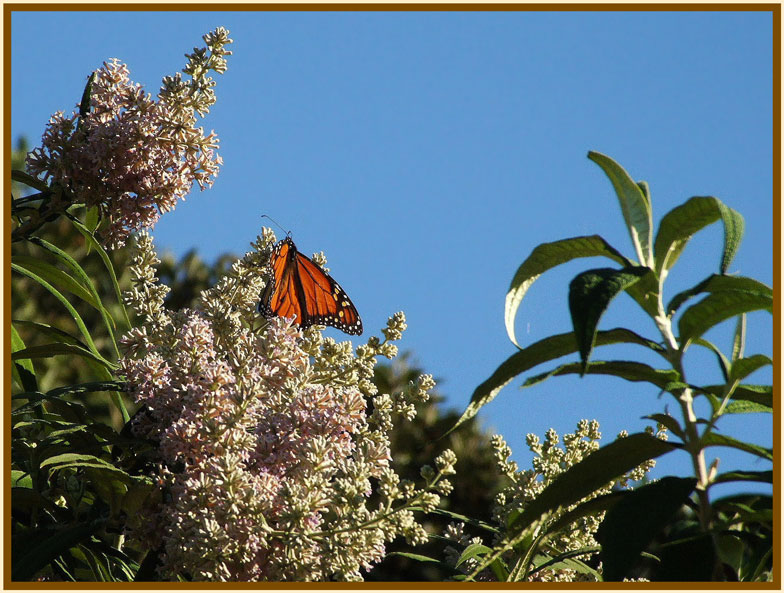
{"x": 299, "y": 287}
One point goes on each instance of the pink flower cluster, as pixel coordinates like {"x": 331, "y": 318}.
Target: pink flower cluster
{"x": 131, "y": 156}
{"x": 252, "y": 455}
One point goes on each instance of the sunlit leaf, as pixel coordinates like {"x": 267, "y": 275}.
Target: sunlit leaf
{"x": 590, "y": 294}
{"x": 547, "y": 256}
{"x": 635, "y": 205}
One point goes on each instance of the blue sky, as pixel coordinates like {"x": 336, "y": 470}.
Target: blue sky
{"x": 428, "y": 153}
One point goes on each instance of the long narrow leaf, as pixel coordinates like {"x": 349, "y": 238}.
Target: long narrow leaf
{"x": 743, "y": 367}
{"x": 717, "y": 307}
{"x": 761, "y": 394}
{"x": 58, "y": 349}
{"x": 624, "y": 369}
{"x": 56, "y": 277}
{"x": 745, "y": 476}
{"x": 634, "y": 203}
{"x": 724, "y": 364}
{"x": 76, "y": 317}
{"x": 537, "y": 353}
{"x": 92, "y": 242}
{"x": 720, "y": 284}
{"x": 86, "y": 282}
{"x": 545, "y": 257}
{"x": 720, "y": 440}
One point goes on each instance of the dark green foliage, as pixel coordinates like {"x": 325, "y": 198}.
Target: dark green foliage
{"x": 705, "y": 541}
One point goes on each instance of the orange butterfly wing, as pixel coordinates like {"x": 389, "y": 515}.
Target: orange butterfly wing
{"x": 300, "y": 288}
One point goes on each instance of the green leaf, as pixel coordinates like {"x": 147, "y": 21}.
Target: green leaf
{"x": 761, "y": 394}
{"x": 588, "y": 508}
{"x": 86, "y": 282}
{"x": 745, "y": 476}
{"x": 568, "y": 561}
{"x": 635, "y": 205}
{"x": 84, "y": 105}
{"x": 78, "y": 460}
{"x": 632, "y": 524}
{"x": 472, "y": 551}
{"x": 679, "y": 225}
{"x": 56, "y": 277}
{"x": 713, "y": 439}
{"x": 746, "y": 407}
{"x": 625, "y": 369}
{"x": 739, "y": 338}
{"x": 45, "y": 550}
{"x": 55, "y": 349}
{"x": 94, "y": 244}
{"x": 91, "y": 220}
{"x": 717, "y": 307}
{"x": 595, "y": 471}
{"x": 467, "y": 520}
{"x": 537, "y": 353}
{"x": 20, "y": 479}
{"x": 22, "y": 370}
{"x": 720, "y": 284}
{"x": 547, "y": 256}
{"x": 590, "y": 294}
{"x": 76, "y": 317}
{"x": 421, "y": 558}
{"x": 743, "y": 367}
{"x": 724, "y": 364}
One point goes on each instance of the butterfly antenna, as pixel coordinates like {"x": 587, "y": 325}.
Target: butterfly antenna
{"x": 288, "y": 233}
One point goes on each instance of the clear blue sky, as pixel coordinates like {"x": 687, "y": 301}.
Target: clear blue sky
{"x": 427, "y": 154}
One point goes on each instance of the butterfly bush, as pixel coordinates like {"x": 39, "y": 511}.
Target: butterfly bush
{"x": 268, "y": 440}
{"x": 550, "y": 461}
{"x": 132, "y": 156}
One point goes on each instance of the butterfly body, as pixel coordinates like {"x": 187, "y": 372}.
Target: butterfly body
{"x": 299, "y": 288}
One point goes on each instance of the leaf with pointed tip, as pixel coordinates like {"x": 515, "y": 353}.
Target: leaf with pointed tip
{"x": 713, "y": 439}
{"x": 724, "y": 364}
{"x": 537, "y": 353}
{"x": 717, "y": 307}
{"x": 761, "y": 394}
{"x": 85, "y": 281}
{"x": 739, "y": 338}
{"x": 57, "y": 349}
{"x": 719, "y": 284}
{"x": 590, "y": 294}
{"x": 84, "y": 105}
{"x": 92, "y": 242}
{"x": 595, "y": 471}
{"x": 635, "y": 205}
{"x": 745, "y": 476}
{"x": 549, "y": 255}
{"x": 22, "y": 370}
{"x": 743, "y": 367}
{"x": 56, "y": 277}
{"x": 76, "y": 317}
{"x": 625, "y": 369}
{"x": 681, "y": 223}
{"x": 745, "y": 407}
